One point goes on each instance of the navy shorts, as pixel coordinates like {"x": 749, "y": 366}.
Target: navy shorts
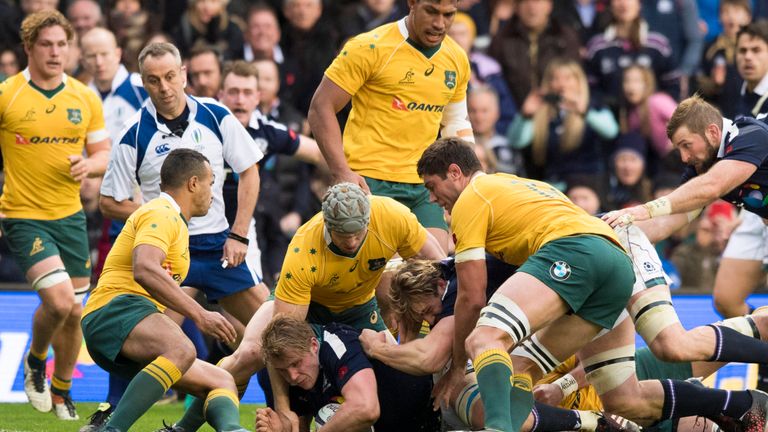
{"x": 206, "y": 274}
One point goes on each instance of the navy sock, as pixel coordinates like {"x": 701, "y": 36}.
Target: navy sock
{"x": 117, "y": 386}
{"x": 683, "y": 399}
{"x": 732, "y": 346}
{"x": 549, "y": 418}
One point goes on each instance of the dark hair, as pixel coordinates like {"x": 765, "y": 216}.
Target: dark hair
{"x": 755, "y": 29}
{"x": 179, "y": 166}
{"x": 446, "y": 151}
{"x": 199, "y": 49}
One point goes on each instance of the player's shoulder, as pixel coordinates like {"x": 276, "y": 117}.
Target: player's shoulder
{"x": 75, "y": 85}
{"x": 384, "y": 203}
{"x": 455, "y": 50}
{"x": 341, "y": 339}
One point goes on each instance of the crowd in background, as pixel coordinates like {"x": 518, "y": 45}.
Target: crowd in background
{"x": 573, "y": 92}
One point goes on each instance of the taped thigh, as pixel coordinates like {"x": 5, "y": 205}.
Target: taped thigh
{"x": 505, "y": 315}
{"x": 745, "y": 325}
{"x": 610, "y": 369}
{"x": 534, "y": 350}
{"x": 468, "y": 397}
{"x": 652, "y": 313}
{"x": 52, "y": 278}
{"x": 645, "y": 260}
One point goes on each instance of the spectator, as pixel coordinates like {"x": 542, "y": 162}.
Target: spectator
{"x": 262, "y": 36}
{"x": 84, "y": 15}
{"x": 629, "y": 186}
{"x": 483, "y": 107}
{"x": 719, "y": 80}
{"x": 645, "y": 111}
{"x": 310, "y": 44}
{"x": 31, "y": 6}
{"x": 526, "y": 45}
{"x": 270, "y": 104}
{"x": 366, "y": 15}
{"x": 132, "y": 24}
{"x": 587, "y": 17}
{"x": 752, "y": 63}
{"x": 204, "y": 70}
{"x": 678, "y": 21}
{"x": 9, "y": 62}
{"x": 584, "y": 193}
{"x": 207, "y": 22}
{"x": 485, "y": 69}
{"x": 698, "y": 260}
{"x": 565, "y": 130}
{"x": 627, "y": 41}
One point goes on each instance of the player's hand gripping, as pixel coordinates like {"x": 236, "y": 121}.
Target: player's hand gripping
{"x": 448, "y": 385}
{"x": 78, "y": 167}
{"x": 352, "y": 177}
{"x": 371, "y": 338}
{"x": 550, "y": 394}
{"x": 214, "y": 324}
{"x": 627, "y": 216}
{"x": 268, "y": 420}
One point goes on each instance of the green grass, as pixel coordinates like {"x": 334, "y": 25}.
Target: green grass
{"x": 24, "y": 418}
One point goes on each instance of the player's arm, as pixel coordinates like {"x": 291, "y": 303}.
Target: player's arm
{"x": 309, "y": 152}
{"x": 662, "y": 227}
{"x": 148, "y": 272}
{"x": 700, "y": 191}
{"x": 422, "y": 356}
{"x": 360, "y": 409}
{"x": 117, "y": 210}
{"x": 455, "y": 121}
{"x": 553, "y": 393}
{"x": 329, "y": 99}
{"x": 431, "y": 249}
{"x": 94, "y": 165}
{"x": 297, "y": 311}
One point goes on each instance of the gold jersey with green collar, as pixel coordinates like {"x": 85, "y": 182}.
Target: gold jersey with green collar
{"x": 399, "y": 92}
{"x": 513, "y": 217}
{"x": 157, "y": 223}
{"x": 39, "y": 129}
{"x": 315, "y": 270}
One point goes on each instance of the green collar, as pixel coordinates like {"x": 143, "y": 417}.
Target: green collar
{"x": 427, "y": 52}
{"x": 47, "y": 93}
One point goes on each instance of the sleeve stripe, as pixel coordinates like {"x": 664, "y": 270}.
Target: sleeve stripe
{"x": 96, "y": 136}
{"x": 473, "y": 254}
{"x": 338, "y": 346}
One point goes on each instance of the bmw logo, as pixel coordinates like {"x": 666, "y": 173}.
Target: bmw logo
{"x": 560, "y": 270}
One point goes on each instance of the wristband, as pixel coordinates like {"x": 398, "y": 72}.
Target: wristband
{"x": 239, "y": 238}
{"x": 567, "y": 384}
{"x": 658, "y": 207}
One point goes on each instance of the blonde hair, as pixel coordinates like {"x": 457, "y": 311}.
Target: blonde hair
{"x": 696, "y": 114}
{"x": 34, "y": 23}
{"x": 573, "y": 125}
{"x": 414, "y": 280}
{"x": 285, "y": 336}
{"x": 642, "y": 108}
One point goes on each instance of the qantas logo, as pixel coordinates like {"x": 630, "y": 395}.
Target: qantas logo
{"x": 399, "y": 105}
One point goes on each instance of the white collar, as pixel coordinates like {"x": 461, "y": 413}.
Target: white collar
{"x": 726, "y": 126}
{"x": 760, "y": 89}
{"x": 170, "y": 200}
{"x": 610, "y": 32}
{"x": 401, "y": 25}
{"x": 120, "y": 76}
{"x": 192, "y": 103}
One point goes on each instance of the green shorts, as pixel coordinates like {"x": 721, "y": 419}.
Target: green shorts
{"x": 413, "y": 196}
{"x": 364, "y": 316}
{"x": 589, "y": 272}
{"x": 32, "y": 241}
{"x": 648, "y": 367}
{"x": 106, "y": 329}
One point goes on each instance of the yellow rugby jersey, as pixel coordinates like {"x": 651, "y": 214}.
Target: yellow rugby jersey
{"x": 398, "y": 96}
{"x": 512, "y": 217}
{"x": 39, "y": 129}
{"x": 585, "y": 399}
{"x": 314, "y": 270}
{"x": 157, "y": 223}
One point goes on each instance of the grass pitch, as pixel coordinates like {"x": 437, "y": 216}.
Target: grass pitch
{"x": 24, "y": 418}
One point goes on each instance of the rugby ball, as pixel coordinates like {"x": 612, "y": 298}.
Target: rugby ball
{"x": 325, "y": 413}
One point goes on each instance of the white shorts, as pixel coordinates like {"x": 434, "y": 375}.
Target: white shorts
{"x": 253, "y": 255}
{"x": 749, "y": 241}
{"x": 645, "y": 261}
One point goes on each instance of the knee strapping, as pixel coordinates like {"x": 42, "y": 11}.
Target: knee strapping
{"x": 52, "y": 278}
{"x": 610, "y": 369}
{"x": 505, "y": 315}
{"x": 744, "y": 325}
{"x": 652, "y": 313}
{"x": 468, "y": 397}
{"x": 533, "y": 349}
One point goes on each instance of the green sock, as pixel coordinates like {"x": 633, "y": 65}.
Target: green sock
{"x": 521, "y": 399}
{"x": 221, "y": 410}
{"x": 494, "y": 374}
{"x": 146, "y": 388}
{"x": 193, "y": 417}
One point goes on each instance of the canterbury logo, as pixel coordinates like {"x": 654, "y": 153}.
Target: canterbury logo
{"x": 37, "y": 246}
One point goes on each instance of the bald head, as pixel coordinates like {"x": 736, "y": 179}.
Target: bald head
{"x": 101, "y": 56}
{"x": 84, "y": 15}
